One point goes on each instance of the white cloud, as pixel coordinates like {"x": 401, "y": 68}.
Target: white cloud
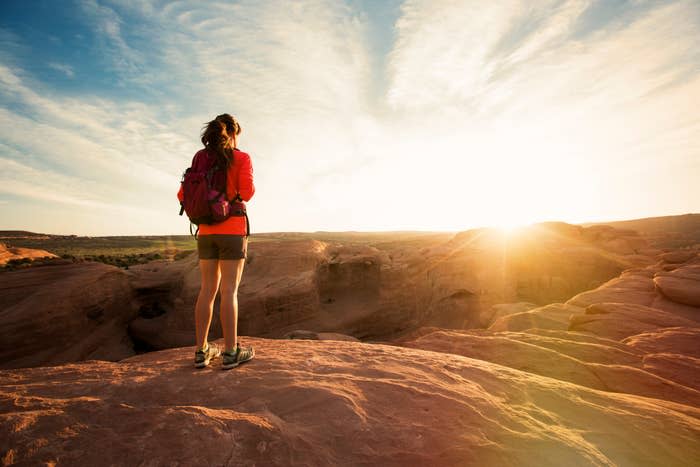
{"x": 555, "y": 124}
{"x": 63, "y": 68}
{"x": 492, "y": 109}
{"x": 24, "y": 181}
{"x": 310, "y": 64}
{"x": 126, "y": 61}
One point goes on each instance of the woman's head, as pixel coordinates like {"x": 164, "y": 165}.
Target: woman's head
{"x": 233, "y": 128}
{"x": 221, "y": 136}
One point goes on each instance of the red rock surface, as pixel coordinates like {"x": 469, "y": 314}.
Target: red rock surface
{"x": 597, "y": 364}
{"x": 680, "y": 285}
{"x": 681, "y": 369}
{"x": 322, "y": 336}
{"x": 64, "y": 313}
{"x": 672, "y": 353}
{"x": 610, "y": 377}
{"x": 634, "y": 286}
{"x": 675, "y": 257}
{"x": 685, "y": 341}
{"x": 8, "y": 253}
{"x": 502, "y": 310}
{"x": 553, "y": 316}
{"x": 376, "y": 286}
{"x": 330, "y": 403}
{"x": 619, "y": 320}
{"x": 380, "y": 285}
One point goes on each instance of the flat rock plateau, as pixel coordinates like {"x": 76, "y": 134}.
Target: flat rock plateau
{"x": 554, "y": 345}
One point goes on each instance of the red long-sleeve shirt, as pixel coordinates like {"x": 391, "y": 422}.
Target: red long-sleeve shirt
{"x": 239, "y": 181}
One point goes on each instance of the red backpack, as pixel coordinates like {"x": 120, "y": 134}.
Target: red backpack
{"x": 204, "y": 192}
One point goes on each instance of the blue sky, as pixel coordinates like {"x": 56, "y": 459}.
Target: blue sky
{"x": 358, "y": 114}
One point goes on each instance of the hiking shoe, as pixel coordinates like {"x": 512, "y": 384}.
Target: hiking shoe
{"x": 203, "y": 357}
{"x": 238, "y": 356}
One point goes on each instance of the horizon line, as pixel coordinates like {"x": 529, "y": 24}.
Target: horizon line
{"x": 417, "y": 231}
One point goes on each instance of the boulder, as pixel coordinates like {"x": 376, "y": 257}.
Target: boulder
{"x": 635, "y": 287}
{"x": 678, "y": 256}
{"x": 684, "y": 341}
{"x": 619, "y": 320}
{"x": 682, "y": 285}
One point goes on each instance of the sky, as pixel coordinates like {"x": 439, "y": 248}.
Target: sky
{"x": 362, "y": 115}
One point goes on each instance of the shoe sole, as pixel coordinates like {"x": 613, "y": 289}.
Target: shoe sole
{"x": 206, "y": 362}
{"x": 234, "y": 365}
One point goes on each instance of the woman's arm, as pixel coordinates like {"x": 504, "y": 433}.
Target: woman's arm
{"x": 246, "y": 188}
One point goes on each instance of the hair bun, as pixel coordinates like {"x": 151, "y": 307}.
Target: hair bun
{"x": 232, "y": 126}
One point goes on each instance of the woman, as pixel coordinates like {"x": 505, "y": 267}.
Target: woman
{"x": 222, "y": 247}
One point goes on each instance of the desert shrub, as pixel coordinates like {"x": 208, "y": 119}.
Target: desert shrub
{"x": 18, "y": 261}
{"x": 182, "y": 254}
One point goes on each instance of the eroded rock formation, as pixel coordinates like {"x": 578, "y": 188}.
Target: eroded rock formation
{"x": 64, "y": 313}
{"x": 610, "y": 376}
{"x": 383, "y": 285}
{"x": 335, "y": 403}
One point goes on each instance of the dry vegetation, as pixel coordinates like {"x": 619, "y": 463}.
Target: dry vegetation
{"x": 118, "y": 251}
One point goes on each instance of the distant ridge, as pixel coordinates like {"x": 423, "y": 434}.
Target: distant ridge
{"x": 684, "y": 223}
{"x": 663, "y": 232}
{"x": 24, "y": 234}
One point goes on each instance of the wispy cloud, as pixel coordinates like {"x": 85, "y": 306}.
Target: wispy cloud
{"x": 552, "y": 114}
{"x": 63, "y": 68}
{"x": 17, "y": 181}
{"x": 289, "y": 71}
{"x": 549, "y": 109}
{"x": 296, "y": 76}
{"x": 126, "y": 61}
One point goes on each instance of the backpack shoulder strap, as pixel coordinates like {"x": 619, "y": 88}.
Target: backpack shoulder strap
{"x": 197, "y": 159}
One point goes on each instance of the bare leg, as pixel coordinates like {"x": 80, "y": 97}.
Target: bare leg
{"x": 231, "y": 273}
{"x": 205, "y": 301}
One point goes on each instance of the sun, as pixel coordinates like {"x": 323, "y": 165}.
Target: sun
{"x": 509, "y": 226}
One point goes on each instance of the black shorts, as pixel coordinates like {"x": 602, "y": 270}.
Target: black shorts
{"x": 222, "y": 246}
